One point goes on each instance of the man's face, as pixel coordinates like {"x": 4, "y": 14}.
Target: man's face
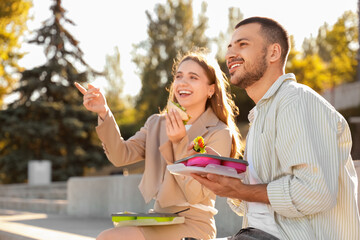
{"x": 246, "y": 55}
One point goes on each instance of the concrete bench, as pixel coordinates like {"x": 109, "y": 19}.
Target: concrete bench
{"x": 102, "y": 196}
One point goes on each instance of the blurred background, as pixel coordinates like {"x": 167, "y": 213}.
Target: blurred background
{"x": 127, "y": 49}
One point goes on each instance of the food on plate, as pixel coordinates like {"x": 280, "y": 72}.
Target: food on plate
{"x": 181, "y": 110}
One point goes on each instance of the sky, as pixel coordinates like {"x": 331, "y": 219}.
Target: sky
{"x": 101, "y": 25}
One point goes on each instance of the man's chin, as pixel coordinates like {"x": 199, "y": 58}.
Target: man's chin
{"x": 235, "y": 81}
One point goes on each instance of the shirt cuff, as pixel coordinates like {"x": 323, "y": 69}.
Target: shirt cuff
{"x": 236, "y": 205}
{"x": 280, "y": 199}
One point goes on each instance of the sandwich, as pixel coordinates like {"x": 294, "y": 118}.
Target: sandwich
{"x": 181, "y": 110}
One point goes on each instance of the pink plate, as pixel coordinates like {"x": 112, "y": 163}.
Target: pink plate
{"x": 240, "y": 167}
{"x": 202, "y": 161}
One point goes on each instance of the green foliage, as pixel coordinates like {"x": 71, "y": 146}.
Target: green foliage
{"x": 170, "y": 31}
{"x": 330, "y": 58}
{"x": 113, "y": 75}
{"x": 234, "y": 17}
{"x": 13, "y": 17}
{"x": 48, "y": 121}
{"x": 120, "y": 105}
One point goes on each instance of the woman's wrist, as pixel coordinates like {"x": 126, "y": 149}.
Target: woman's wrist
{"x": 103, "y": 114}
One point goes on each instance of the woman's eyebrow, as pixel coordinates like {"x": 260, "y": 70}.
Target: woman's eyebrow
{"x": 194, "y": 74}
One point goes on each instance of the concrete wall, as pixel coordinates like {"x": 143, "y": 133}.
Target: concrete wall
{"x": 102, "y": 196}
{"x": 344, "y": 96}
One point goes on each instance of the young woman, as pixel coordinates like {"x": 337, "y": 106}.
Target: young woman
{"x": 199, "y": 86}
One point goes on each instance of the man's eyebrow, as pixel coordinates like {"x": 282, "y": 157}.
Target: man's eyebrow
{"x": 238, "y": 40}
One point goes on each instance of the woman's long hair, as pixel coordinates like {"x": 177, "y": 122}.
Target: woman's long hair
{"x": 221, "y": 101}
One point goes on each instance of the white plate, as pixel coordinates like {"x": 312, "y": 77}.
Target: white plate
{"x": 181, "y": 169}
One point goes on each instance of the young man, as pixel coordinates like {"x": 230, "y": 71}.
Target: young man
{"x": 301, "y": 182}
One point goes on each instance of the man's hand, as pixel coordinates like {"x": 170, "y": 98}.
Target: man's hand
{"x": 233, "y": 188}
{"x": 220, "y": 185}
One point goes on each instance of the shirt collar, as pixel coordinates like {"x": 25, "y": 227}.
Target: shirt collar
{"x": 271, "y": 91}
{"x": 276, "y": 85}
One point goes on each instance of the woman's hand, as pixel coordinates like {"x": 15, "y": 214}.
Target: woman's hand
{"x": 175, "y": 128}
{"x": 93, "y": 100}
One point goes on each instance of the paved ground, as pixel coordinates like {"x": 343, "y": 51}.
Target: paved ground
{"x": 15, "y": 225}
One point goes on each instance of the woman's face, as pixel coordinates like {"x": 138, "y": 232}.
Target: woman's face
{"x": 191, "y": 85}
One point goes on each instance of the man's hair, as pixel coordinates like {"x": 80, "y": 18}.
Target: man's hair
{"x": 273, "y": 32}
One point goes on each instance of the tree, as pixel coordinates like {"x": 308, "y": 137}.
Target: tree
{"x": 172, "y": 30}
{"x": 114, "y": 77}
{"x": 329, "y": 59}
{"x": 241, "y": 99}
{"x": 120, "y": 105}
{"x": 13, "y": 17}
{"x": 342, "y": 40}
{"x": 48, "y": 121}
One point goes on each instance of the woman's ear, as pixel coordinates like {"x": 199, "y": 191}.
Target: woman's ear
{"x": 211, "y": 90}
{"x": 275, "y": 52}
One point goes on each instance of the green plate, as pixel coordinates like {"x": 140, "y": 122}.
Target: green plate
{"x": 159, "y": 217}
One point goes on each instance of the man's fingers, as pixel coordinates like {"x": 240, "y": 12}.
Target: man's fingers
{"x": 80, "y": 88}
{"x": 214, "y": 177}
{"x": 200, "y": 179}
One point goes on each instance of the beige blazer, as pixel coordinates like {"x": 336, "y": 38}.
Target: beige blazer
{"x": 151, "y": 144}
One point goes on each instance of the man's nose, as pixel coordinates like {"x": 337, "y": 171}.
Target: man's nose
{"x": 229, "y": 54}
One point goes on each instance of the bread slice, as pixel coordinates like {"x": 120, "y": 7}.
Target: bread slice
{"x": 181, "y": 110}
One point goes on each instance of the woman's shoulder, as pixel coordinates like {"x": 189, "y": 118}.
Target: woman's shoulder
{"x": 155, "y": 118}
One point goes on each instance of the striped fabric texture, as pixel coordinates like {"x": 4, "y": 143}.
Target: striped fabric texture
{"x": 302, "y": 150}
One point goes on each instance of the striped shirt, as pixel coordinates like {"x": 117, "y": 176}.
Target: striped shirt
{"x": 302, "y": 150}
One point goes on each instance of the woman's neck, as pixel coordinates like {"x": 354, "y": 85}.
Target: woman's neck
{"x": 194, "y": 113}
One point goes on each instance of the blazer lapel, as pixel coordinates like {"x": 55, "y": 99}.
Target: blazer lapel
{"x": 200, "y": 126}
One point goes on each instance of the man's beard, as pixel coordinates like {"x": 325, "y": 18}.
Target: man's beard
{"x": 256, "y": 71}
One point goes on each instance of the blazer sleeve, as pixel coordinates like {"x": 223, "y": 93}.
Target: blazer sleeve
{"x": 118, "y": 151}
{"x": 220, "y": 141}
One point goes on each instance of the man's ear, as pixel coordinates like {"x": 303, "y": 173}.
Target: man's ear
{"x": 274, "y": 52}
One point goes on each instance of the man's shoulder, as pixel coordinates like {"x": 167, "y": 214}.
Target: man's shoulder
{"x": 294, "y": 91}
{"x": 300, "y": 95}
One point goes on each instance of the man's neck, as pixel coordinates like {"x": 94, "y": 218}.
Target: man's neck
{"x": 258, "y": 89}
